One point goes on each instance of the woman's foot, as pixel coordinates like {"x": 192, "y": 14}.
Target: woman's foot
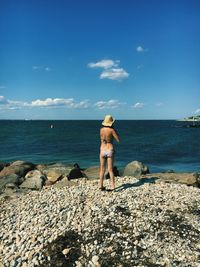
{"x": 110, "y": 189}
{"x": 102, "y": 188}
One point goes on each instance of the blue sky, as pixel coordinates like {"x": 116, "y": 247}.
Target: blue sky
{"x": 84, "y": 59}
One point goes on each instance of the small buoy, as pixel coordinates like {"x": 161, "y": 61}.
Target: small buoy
{"x": 51, "y": 126}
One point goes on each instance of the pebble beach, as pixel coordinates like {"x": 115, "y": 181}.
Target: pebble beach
{"x": 149, "y": 224}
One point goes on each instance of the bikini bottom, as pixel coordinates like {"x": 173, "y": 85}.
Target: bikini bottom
{"x": 107, "y": 153}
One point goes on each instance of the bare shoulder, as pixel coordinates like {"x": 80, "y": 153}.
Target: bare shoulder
{"x": 113, "y": 130}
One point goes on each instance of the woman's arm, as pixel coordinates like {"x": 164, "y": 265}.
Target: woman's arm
{"x": 115, "y": 135}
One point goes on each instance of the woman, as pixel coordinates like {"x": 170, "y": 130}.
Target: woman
{"x": 107, "y": 134}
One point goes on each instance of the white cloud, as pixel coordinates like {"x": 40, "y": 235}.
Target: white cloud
{"x": 9, "y": 104}
{"x": 197, "y": 111}
{"x": 114, "y": 74}
{"x": 59, "y": 102}
{"x": 42, "y": 68}
{"x": 3, "y": 100}
{"x": 110, "y": 104}
{"x": 46, "y": 103}
{"x": 82, "y": 104}
{"x": 140, "y": 49}
{"x": 111, "y": 69}
{"x": 105, "y": 64}
{"x": 51, "y": 102}
{"x": 138, "y": 105}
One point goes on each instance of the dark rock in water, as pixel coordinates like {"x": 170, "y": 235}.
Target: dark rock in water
{"x": 75, "y": 173}
{"x": 19, "y": 168}
{"x": 34, "y": 180}
{"x": 136, "y": 169}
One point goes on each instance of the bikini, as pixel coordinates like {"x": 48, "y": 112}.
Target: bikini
{"x": 107, "y": 153}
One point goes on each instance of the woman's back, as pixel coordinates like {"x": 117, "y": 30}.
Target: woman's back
{"x": 106, "y": 135}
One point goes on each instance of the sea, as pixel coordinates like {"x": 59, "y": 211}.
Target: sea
{"x": 162, "y": 145}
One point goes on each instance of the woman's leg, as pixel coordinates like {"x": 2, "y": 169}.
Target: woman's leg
{"x": 110, "y": 170}
{"x": 102, "y": 170}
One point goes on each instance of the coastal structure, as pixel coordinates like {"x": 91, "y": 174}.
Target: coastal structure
{"x": 193, "y": 121}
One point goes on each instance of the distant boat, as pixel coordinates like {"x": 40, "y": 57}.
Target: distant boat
{"x": 52, "y": 126}
{"x": 194, "y": 121}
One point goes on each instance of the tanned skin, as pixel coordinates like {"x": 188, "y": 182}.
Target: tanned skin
{"x": 108, "y": 134}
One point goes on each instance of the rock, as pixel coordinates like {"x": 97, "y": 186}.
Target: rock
{"x": 3, "y": 164}
{"x": 55, "y": 172}
{"x": 169, "y": 171}
{"x": 33, "y": 180}
{"x": 53, "y": 176}
{"x": 9, "y": 179}
{"x": 136, "y": 169}
{"x": 75, "y": 173}
{"x": 66, "y": 251}
{"x": 197, "y": 176}
{"x": 92, "y": 172}
{"x": 62, "y": 183}
{"x": 21, "y": 163}
{"x": 11, "y": 186}
{"x": 182, "y": 178}
{"x": 19, "y": 168}
{"x": 115, "y": 171}
{"x": 48, "y": 183}
{"x": 95, "y": 259}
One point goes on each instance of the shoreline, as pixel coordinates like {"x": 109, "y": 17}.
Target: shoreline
{"x": 27, "y": 175}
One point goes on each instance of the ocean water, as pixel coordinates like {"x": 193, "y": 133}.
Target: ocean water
{"x": 159, "y": 144}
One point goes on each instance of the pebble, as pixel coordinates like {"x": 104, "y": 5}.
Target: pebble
{"x": 95, "y": 259}
{"x": 66, "y": 251}
{"x": 151, "y": 221}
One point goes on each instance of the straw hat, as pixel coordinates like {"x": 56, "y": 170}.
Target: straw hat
{"x": 108, "y": 121}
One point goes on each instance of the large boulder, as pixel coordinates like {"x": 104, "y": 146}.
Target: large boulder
{"x": 135, "y": 169}
{"x": 197, "y": 175}
{"x": 33, "y": 180}
{"x": 55, "y": 172}
{"x": 9, "y": 179}
{"x": 75, "y": 173}
{"x": 92, "y": 172}
{"x": 19, "y": 168}
{"x": 181, "y": 178}
{"x": 3, "y": 164}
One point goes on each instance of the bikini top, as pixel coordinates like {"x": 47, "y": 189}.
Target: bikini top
{"x": 106, "y": 141}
